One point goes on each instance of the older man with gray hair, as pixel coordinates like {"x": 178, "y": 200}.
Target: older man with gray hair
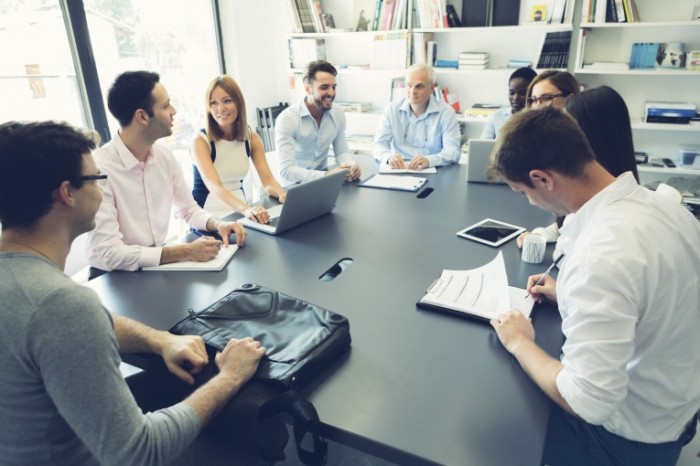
{"x": 419, "y": 131}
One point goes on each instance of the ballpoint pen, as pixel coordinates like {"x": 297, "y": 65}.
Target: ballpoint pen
{"x": 546, "y": 272}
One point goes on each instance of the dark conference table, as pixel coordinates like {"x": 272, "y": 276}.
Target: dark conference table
{"x": 417, "y": 387}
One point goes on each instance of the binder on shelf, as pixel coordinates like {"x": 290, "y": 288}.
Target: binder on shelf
{"x": 475, "y": 13}
{"x": 266, "y": 124}
{"x": 505, "y": 12}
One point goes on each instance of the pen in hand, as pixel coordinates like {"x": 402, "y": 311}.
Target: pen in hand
{"x": 544, "y": 275}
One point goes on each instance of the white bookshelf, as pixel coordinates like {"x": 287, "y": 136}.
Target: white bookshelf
{"x": 591, "y": 42}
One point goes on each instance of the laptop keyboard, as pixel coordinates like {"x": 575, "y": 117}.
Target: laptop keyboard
{"x": 273, "y": 222}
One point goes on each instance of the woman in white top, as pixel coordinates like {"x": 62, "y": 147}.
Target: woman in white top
{"x": 222, "y": 153}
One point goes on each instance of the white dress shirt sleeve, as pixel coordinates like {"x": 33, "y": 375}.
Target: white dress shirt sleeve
{"x": 106, "y": 249}
{"x": 599, "y": 325}
{"x": 381, "y": 146}
{"x": 449, "y": 128}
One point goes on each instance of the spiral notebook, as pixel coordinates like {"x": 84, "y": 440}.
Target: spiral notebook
{"x": 216, "y": 264}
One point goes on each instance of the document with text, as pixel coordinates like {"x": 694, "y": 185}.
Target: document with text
{"x": 482, "y": 292}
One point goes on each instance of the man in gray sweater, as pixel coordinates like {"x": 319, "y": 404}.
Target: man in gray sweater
{"x": 63, "y": 400}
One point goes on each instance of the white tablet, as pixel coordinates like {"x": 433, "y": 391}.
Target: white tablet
{"x": 491, "y": 232}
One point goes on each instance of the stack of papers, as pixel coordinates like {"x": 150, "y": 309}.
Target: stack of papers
{"x": 482, "y": 292}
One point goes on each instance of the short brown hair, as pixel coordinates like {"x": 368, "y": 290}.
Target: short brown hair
{"x": 543, "y": 139}
{"x": 240, "y": 129}
{"x": 314, "y": 67}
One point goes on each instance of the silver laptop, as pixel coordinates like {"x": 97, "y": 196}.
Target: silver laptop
{"x": 478, "y": 154}
{"x": 304, "y": 202}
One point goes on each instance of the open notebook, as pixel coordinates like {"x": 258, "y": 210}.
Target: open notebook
{"x": 216, "y": 264}
{"x": 482, "y": 292}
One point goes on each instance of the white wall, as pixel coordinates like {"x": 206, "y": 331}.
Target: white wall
{"x": 255, "y": 50}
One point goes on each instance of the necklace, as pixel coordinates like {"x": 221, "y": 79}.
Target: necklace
{"x": 28, "y": 247}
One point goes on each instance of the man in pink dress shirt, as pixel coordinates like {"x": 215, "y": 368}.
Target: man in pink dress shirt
{"x": 145, "y": 184}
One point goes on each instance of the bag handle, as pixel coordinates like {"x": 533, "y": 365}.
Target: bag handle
{"x": 305, "y": 420}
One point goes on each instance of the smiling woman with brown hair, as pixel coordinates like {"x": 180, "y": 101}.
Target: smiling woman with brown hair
{"x": 222, "y": 154}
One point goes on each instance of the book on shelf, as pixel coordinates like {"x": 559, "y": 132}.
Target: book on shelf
{"x": 398, "y": 88}
{"x": 473, "y": 60}
{"x": 390, "y": 50}
{"x": 453, "y": 20}
{"x": 447, "y": 63}
{"x": 294, "y": 19}
{"x": 430, "y": 14}
{"x": 479, "y": 113}
{"x": 481, "y": 293}
{"x": 303, "y": 50}
{"x": 558, "y": 12}
{"x": 600, "y": 12}
{"x": 463, "y": 66}
{"x": 306, "y": 16}
{"x": 431, "y": 54}
{"x": 387, "y": 12}
{"x": 356, "y": 107}
{"x": 626, "y": 11}
{"x": 420, "y": 46}
{"x": 474, "y": 55}
{"x": 610, "y": 12}
{"x": 517, "y": 63}
{"x": 554, "y": 52}
{"x": 647, "y": 55}
{"x": 316, "y": 12}
{"x": 692, "y": 60}
{"x": 607, "y": 65}
{"x": 400, "y": 19}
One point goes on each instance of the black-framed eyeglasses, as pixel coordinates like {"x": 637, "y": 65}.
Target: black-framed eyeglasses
{"x": 100, "y": 179}
{"x": 544, "y": 98}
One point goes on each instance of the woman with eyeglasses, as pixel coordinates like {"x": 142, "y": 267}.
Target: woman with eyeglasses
{"x": 518, "y": 84}
{"x": 603, "y": 116}
{"x": 551, "y": 87}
